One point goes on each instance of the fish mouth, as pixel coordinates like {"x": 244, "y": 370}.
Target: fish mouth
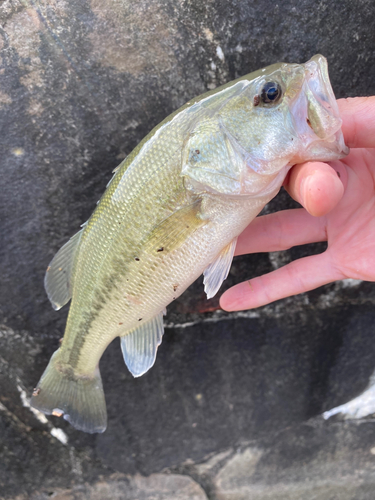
{"x": 317, "y": 114}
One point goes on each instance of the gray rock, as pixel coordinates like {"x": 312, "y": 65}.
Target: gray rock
{"x": 81, "y": 83}
{"x": 313, "y": 461}
{"x": 154, "y": 487}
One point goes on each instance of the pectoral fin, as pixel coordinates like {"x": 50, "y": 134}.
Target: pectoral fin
{"x": 173, "y": 231}
{"x": 140, "y": 345}
{"x": 218, "y": 270}
{"x": 58, "y": 277}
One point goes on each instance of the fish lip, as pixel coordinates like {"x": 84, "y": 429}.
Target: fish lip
{"x": 332, "y": 149}
{"x": 317, "y": 67}
{"x": 322, "y": 138}
{"x": 345, "y": 151}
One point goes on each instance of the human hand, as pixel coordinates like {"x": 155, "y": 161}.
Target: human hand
{"x": 339, "y": 207}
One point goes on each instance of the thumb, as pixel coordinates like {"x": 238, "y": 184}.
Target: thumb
{"x": 316, "y": 186}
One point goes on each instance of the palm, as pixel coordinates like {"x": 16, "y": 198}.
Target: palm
{"x": 346, "y": 210}
{"x": 351, "y": 225}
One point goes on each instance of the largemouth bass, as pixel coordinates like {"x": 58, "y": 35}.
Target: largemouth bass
{"x": 173, "y": 210}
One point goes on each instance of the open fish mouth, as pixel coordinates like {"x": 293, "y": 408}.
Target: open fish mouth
{"x": 317, "y": 114}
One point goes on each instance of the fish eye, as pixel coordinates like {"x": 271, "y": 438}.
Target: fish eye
{"x": 271, "y": 93}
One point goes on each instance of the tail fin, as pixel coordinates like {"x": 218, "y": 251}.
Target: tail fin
{"x": 80, "y": 399}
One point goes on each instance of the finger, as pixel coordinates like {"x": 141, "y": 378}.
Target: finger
{"x": 297, "y": 277}
{"x": 316, "y": 186}
{"x": 280, "y": 231}
{"x": 358, "y": 116}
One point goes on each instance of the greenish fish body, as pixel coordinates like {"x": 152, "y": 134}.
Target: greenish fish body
{"x": 173, "y": 210}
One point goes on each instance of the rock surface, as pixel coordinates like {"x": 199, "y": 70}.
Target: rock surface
{"x": 154, "y": 487}
{"x": 327, "y": 462}
{"x": 234, "y": 400}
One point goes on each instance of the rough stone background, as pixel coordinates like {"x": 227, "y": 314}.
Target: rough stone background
{"x": 232, "y": 409}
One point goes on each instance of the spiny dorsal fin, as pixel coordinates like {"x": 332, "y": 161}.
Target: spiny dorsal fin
{"x": 218, "y": 270}
{"x": 115, "y": 170}
{"x": 140, "y": 345}
{"x": 58, "y": 278}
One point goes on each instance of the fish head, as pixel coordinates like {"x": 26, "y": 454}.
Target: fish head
{"x": 272, "y": 119}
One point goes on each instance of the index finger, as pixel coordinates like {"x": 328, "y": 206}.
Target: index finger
{"x": 358, "y": 116}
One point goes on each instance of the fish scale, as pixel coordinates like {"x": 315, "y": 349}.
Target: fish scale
{"x": 173, "y": 210}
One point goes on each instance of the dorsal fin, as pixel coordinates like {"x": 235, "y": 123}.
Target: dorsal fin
{"x": 58, "y": 278}
{"x": 218, "y": 270}
{"x": 140, "y": 345}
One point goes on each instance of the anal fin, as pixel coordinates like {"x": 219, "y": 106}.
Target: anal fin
{"x": 140, "y": 345}
{"x": 218, "y": 270}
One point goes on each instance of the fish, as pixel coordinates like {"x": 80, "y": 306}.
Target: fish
{"x": 172, "y": 211}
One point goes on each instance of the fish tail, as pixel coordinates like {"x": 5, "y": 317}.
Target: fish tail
{"x": 80, "y": 399}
